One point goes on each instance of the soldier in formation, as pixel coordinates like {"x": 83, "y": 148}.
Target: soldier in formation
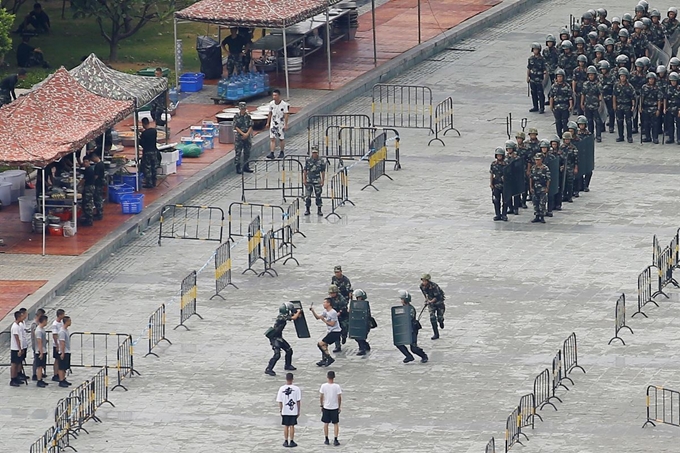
{"x": 539, "y": 181}
{"x": 496, "y": 184}
{"x": 313, "y": 176}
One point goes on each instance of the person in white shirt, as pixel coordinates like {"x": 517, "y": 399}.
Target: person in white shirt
{"x": 277, "y": 123}
{"x": 25, "y": 337}
{"x": 330, "y": 397}
{"x": 330, "y": 318}
{"x": 40, "y": 350}
{"x": 34, "y": 325}
{"x": 64, "y": 352}
{"x": 16, "y": 351}
{"x": 289, "y": 399}
{"x": 57, "y": 324}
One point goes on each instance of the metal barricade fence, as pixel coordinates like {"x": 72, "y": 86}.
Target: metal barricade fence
{"x": 665, "y": 268}
{"x": 100, "y": 388}
{"x": 292, "y": 217}
{"x": 65, "y": 420}
{"x": 222, "y": 269}
{"x": 644, "y": 291}
{"x": 268, "y": 248}
{"x": 83, "y": 407}
{"x": 95, "y": 349}
{"x": 443, "y": 120}
{"x": 339, "y": 192}
{"x": 318, "y": 124}
{"x": 663, "y": 408}
{"x": 527, "y": 411}
{"x": 354, "y": 142}
{"x": 203, "y": 223}
{"x": 656, "y": 251}
{"x": 408, "y": 106}
{"x": 125, "y": 366}
{"x": 620, "y": 319}
{"x": 44, "y": 442}
{"x": 543, "y": 391}
{"x": 558, "y": 374}
{"x": 376, "y": 160}
{"x": 254, "y": 244}
{"x": 156, "y": 331}
{"x": 570, "y": 356}
{"x": 187, "y": 301}
{"x": 241, "y": 215}
{"x": 513, "y": 430}
{"x": 284, "y": 175}
{"x": 675, "y": 247}
{"x": 283, "y": 245}
{"x": 490, "y": 446}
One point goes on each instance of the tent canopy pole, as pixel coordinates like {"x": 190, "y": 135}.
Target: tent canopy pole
{"x": 375, "y": 50}
{"x": 285, "y": 62}
{"x": 328, "y": 43}
{"x": 44, "y": 213}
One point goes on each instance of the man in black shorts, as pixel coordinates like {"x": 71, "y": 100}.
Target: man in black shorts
{"x": 289, "y": 399}
{"x": 330, "y": 318}
{"x": 40, "y": 350}
{"x": 64, "y": 352}
{"x": 330, "y": 397}
{"x": 16, "y": 351}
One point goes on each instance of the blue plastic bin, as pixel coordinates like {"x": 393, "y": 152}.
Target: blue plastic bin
{"x": 116, "y": 190}
{"x": 131, "y": 180}
{"x": 191, "y": 82}
{"x": 132, "y": 203}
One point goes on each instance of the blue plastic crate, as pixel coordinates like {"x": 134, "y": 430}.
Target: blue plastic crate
{"x": 116, "y": 190}
{"x": 191, "y": 82}
{"x": 132, "y": 203}
{"x": 131, "y": 180}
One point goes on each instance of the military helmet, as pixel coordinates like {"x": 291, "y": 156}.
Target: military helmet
{"x": 599, "y": 48}
{"x": 544, "y": 144}
{"x": 337, "y": 268}
{"x": 644, "y": 4}
{"x": 673, "y": 10}
{"x": 532, "y": 130}
{"x": 359, "y": 293}
{"x": 404, "y": 295}
{"x": 604, "y": 64}
{"x": 602, "y": 12}
{"x": 651, "y": 75}
{"x": 332, "y": 289}
{"x": 550, "y": 38}
{"x": 627, "y": 17}
{"x": 564, "y": 31}
{"x": 646, "y": 61}
{"x": 587, "y": 16}
{"x": 675, "y": 61}
{"x": 579, "y": 40}
{"x": 616, "y": 20}
{"x": 591, "y": 70}
{"x": 591, "y": 12}
{"x": 647, "y": 22}
{"x": 674, "y": 76}
{"x": 535, "y": 45}
{"x": 566, "y": 136}
{"x": 571, "y": 125}
{"x": 624, "y": 72}
{"x": 509, "y": 144}
{"x": 661, "y": 69}
{"x": 555, "y": 138}
{"x": 581, "y": 120}
{"x": 639, "y": 9}
{"x": 582, "y": 59}
{"x": 609, "y": 42}
{"x": 500, "y": 151}
{"x": 592, "y": 35}
{"x": 602, "y": 27}
{"x": 428, "y": 277}
{"x": 576, "y": 27}
{"x": 283, "y": 309}
{"x": 538, "y": 156}
{"x": 655, "y": 13}
{"x": 520, "y": 134}
{"x": 622, "y": 59}
{"x": 623, "y": 33}
{"x": 639, "y": 24}
{"x": 639, "y": 63}
{"x": 559, "y": 72}
{"x": 566, "y": 44}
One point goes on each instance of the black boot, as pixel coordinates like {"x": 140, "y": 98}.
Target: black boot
{"x": 541, "y": 219}
{"x": 318, "y": 211}
{"x": 535, "y": 219}
{"x": 246, "y": 169}
{"x": 435, "y": 329}
{"x": 307, "y": 209}
{"x": 238, "y": 169}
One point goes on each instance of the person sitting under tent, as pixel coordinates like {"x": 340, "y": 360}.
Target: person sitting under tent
{"x": 29, "y": 56}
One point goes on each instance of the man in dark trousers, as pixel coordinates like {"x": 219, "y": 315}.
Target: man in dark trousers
{"x": 99, "y": 181}
{"x": 147, "y": 140}
{"x": 275, "y": 335}
{"x": 234, "y": 45}
{"x": 405, "y": 299}
{"x": 29, "y": 56}
{"x": 89, "y": 190}
{"x": 8, "y": 85}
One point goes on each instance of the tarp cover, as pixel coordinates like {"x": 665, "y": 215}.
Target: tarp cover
{"x": 255, "y": 13}
{"x": 98, "y": 78}
{"x": 56, "y": 119}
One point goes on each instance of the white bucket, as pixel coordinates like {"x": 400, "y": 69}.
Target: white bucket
{"x": 5, "y": 192}
{"x": 27, "y": 207}
{"x": 18, "y": 180}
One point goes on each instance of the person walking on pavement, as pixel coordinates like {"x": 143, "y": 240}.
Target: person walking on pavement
{"x": 330, "y": 397}
{"x": 405, "y": 299}
{"x": 314, "y": 176}
{"x": 289, "y": 398}
{"x": 330, "y": 318}
{"x": 434, "y": 299}
{"x": 364, "y": 347}
{"x": 277, "y": 123}
{"x": 275, "y": 335}
{"x": 243, "y": 138}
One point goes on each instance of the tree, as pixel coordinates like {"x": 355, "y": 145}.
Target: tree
{"x": 120, "y": 19}
{"x": 6, "y": 21}
{"x": 11, "y": 5}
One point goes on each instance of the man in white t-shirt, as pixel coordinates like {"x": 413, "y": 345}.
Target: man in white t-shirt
{"x": 16, "y": 351}
{"x": 289, "y": 399}
{"x": 330, "y": 397}
{"x": 330, "y": 318}
{"x": 57, "y": 324}
{"x": 277, "y": 123}
{"x": 25, "y": 338}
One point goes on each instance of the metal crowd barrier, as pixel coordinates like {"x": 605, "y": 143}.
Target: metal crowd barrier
{"x": 203, "y": 223}
{"x": 100, "y": 387}
{"x": 490, "y": 446}
{"x": 281, "y": 246}
{"x": 644, "y": 290}
{"x": 356, "y": 142}
{"x": 407, "y": 106}
{"x": 66, "y": 421}
{"x": 675, "y": 247}
{"x": 292, "y": 217}
{"x": 46, "y": 443}
{"x": 665, "y": 408}
{"x": 339, "y": 192}
{"x": 620, "y": 319}
{"x": 558, "y": 373}
{"x": 222, "y": 269}
{"x": 318, "y": 124}
{"x": 125, "y": 361}
{"x": 570, "y": 356}
{"x": 254, "y": 244}
{"x": 443, "y": 120}
{"x": 83, "y": 408}
{"x": 656, "y": 251}
{"x": 513, "y": 430}
{"x": 95, "y": 349}
{"x": 665, "y": 268}
{"x": 543, "y": 391}
{"x": 268, "y": 248}
{"x": 187, "y": 303}
{"x": 527, "y": 411}
{"x": 376, "y": 160}
{"x": 284, "y": 175}
{"x": 241, "y": 215}
{"x": 156, "y": 329}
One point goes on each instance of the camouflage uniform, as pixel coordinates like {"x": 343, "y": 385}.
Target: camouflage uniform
{"x": 314, "y": 168}
{"x": 650, "y": 96}
{"x": 638, "y": 80}
{"x": 150, "y": 166}
{"x": 591, "y": 94}
{"x": 607, "y": 83}
{"x": 540, "y": 176}
{"x": 670, "y": 25}
{"x": 278, "y": 343}
{"x": 415, "y": 349}
{"x": 550, "y": 55}
{"x": 434, "y": 293}
{"x": 537, "y": 67}
{"x": 89, "y": 190}
{"x": 561, "y": 95}
{"x": 639, "y": 43}
{"x": 579, "y": 77}
{"x": 624, "y": 49}
{"x": 242, "y": 145}
{"x": 497, "y": 197}
{"x": 625, "y": 97}
{"x": 568, "y": 63}
{"x": 672, "y": 108}
{"x": 344, "y": 286}
{"x": 611, "y": 58}
{"x": 657, "y": 35}
{"x": 570, "y": 154}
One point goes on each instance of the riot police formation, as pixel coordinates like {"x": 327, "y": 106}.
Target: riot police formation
{"x": 622, "y": 71}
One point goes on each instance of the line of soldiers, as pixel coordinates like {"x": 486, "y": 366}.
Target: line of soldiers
{"x": 548, "y": 172}
{"x": 336, "y": 316}
{"x": 608, "y": 72}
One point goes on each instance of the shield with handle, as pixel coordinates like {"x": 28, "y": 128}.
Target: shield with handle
{"x": 359, "y": 319}
{"x": 586, "y": 155}
{"x": 300, "y": 323}
{"x": 657, "y": 56}
{"x": 513, "y": 178}
{"x": 553, "y": 164}
{"x": 402, "y": 326}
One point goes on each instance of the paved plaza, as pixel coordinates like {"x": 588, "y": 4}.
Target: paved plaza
{"x": 514, "y": 292}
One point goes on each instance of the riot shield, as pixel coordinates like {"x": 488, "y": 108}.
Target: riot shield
{"x": 300, "y": 323}
{"x": 657, "y": 56}
{"x": 402, "y": 328}
{"x": 586, "y": 155}
{"x": 553, "y": 164}
{"x": 513, "y": 178}
{"x": 359, "y": 319}
{"x": 673, "y": 43}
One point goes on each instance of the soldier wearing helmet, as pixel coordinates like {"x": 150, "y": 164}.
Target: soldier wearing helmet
{"x": 364, "y": 347}
{"x": 561, "y": 101}
{"x": 536, "y": 71}
{"x": 597, "y": 54}
{"x": 577, "y": 79}
{"x": 655, "y": 32}
{"x": 639, "y": 41}
{"x": 602, "y": 33}
{"x": 570, "y": 154}
{"x": 345, "y": 288}
{"x": 532, "y": 146}
{"x": 651, "y": 101}
{"x": 550, "y": 55}
{"x": 587, "y": 23}
{"x": 575, "y": 31}
{"x": 496, "y": 185}
{"x": 434, "y": 300}
{"x": 539, "y": 181}
{"x": 602, "y": 17}
{"x": 522, "y": 152}
{"x": 555, "y": 149}
{"x": 275, "y": 335}
{"x": 607, "y": 80}
{"x": 567, "y": 61}
{"x": 340, "y": 305}
{"x": 614, "y": 28}
{"x": 405, "y": 299}
{"x": 623, "y": 46}
{"x": 609, "y": 53}
{"x": 583, "y": 182}
{"x": 623, "y": 101}
{"x": 674, "y": 65}
{"x": 510, "y": 156}
{"x": 591, "y": 98}
{"x": 639, "y": 12}
{"x": 637, "y": 79}
{"x": 671, "y": 106}
{"x": 670, "y": 23}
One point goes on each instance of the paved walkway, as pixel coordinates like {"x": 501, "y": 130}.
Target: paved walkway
{"x": 514, "y": 290}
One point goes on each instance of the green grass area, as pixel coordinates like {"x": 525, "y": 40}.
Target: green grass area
{"x": 71, "y": 39}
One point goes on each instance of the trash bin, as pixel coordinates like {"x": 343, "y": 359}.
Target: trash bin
{"x": 27, "y": 207}
{"x": 5, "y": 193}
{"x": 210, "y": 56}
{"x": 227, "y": 132}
